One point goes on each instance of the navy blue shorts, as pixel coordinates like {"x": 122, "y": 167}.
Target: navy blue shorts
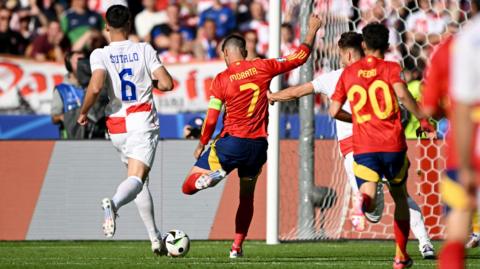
{"x": 374, "y": 166}
{"x": 230, "y": 152}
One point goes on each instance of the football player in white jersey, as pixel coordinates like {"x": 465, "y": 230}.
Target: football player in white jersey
{"x": 351, "y": 51}
{"x": 128, "y": 69}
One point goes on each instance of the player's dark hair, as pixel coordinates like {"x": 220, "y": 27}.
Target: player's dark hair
{"x": 351, "y": 40}
{"x": 235, "y": 41}
{"x": 375, "y": 36}
{"x": 118, "y": 17}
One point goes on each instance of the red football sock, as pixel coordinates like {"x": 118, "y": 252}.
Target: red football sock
{"x": 452, "y": 256}
{"x": 189, "y": 184}
{"x": 243, "y": 220}
{"x": 367, "y": 200}
{"x": 401, "y": 229}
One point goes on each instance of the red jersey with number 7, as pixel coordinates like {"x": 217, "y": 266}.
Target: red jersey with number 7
{"x": 368, "y": 86}
{"x": 243, "y": 87}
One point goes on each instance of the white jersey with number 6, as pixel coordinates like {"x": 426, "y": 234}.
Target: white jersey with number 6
{"x": 129, "y": 67}
{"x": 131, "y": 116}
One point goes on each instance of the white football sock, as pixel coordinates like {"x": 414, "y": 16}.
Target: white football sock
{"x": 416, "y": 223}
{"x": 144, "y": 204}
{"x": 127, "y": 191}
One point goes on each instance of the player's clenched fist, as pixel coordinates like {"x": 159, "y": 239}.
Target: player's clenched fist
{"x": 82, "y": 119}
{"x": 314, "y": 22}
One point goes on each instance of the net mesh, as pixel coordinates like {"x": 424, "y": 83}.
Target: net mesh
{"x": 415, "y": 28}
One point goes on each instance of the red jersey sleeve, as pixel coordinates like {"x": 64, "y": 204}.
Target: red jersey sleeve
{"x": 437, "y": 77}
{"x": 396, "y": 74}
{"x": 287, "y": 63}
{"x": 340, "y": 94}
{"x": 431, "y": 93}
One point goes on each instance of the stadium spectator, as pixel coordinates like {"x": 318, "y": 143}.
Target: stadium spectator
{"x": 425, "y": 25}
{"x": 78, "y": 20}
{"x": 288, "y": 41}
{"x": 289, "y": 45}
{"x": 11, "y": 42}
{"x": 207, "y": 41}
{"x": 174, "y": 53}
{"x": 148, "y": 18}
{"x": 24, "y": 25}
{"x": 258, "y": 24}
{"x": 101, "y": 6}
{"x": 371, "y": 11}
{"x": 67, "y": 99}
{"x": 50, "y": 46}
{"x": 160, "y": 33}
{"x": 223, "y": 16}
{"x": 251, "y": 45}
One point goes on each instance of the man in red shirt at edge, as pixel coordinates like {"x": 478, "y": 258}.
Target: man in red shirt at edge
{"x": 242, "y": 144}
{"x": 372, "y": 86}
{"x": 436, "y": 99}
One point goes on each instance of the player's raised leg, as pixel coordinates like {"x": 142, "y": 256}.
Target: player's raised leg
{"x": 200, "y": 178}
{"x": 207, "y": 172}
{"x": 244, "y": 215}
{"x": 365, "y": 168}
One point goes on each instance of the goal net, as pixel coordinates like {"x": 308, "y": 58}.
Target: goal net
{"x": 416, "y": 26}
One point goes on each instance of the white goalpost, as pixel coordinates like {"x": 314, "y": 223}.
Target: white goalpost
{"x": 273, "y": 130}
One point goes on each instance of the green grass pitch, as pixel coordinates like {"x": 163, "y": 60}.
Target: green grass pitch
{"x": 209, "y": 254}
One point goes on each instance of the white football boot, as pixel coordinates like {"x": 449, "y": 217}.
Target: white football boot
{"x": 158, "y": 246}
{"x": 109, "y": 218}
{"x": 427, "y": 251}
{"x": 234, "y": 253}
{"x": 211, "y": 179}
{"x": 474, "y": 241}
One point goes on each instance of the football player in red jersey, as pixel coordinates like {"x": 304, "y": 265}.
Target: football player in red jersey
{"x": 242, "y": 144}
{"x": 436, "y": 99}
{"x": 451, "y": 85}
{"x": 372, "y": 86}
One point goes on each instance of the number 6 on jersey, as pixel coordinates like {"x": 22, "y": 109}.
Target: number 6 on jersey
{"x": 129, "y": 90}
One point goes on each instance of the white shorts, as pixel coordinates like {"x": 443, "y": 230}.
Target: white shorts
{"x": 139, "y": 145}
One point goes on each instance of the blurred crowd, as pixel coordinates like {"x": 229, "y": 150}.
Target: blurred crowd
{"x": 186, "y": 30}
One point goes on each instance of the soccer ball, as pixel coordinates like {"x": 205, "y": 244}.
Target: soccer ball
{"x": 177, "y": 243}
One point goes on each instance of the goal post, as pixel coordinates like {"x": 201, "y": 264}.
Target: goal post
{"x": 273, "y": 131}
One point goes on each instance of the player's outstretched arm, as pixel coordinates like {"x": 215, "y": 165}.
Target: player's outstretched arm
{"x": 93, "y": 90}
{"x": 314, "y": 23}
{"x": 162, "y": 79}
{"x": 291, "y": 93}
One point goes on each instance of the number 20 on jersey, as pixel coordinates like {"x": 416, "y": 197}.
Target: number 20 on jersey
{"x": 390, "y": 103}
